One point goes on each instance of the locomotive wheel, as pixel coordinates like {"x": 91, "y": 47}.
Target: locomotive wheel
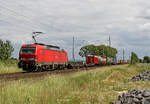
{"x": 53, "y": 67}
{"x": 25, "y": 69}
{"x": 60, "y": 67}
{"x": 38, "y": 69}
{"x": 70, "y": 66}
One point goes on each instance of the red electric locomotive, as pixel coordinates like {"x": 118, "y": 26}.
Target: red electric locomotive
{"x": 39, "y": 57}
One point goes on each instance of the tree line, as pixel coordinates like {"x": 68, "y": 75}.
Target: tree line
{"x": 100, "y": 50}
{"x": 146, "y": 59}
{"x": 135, "y": 59}
{"x": 103, "y": 50}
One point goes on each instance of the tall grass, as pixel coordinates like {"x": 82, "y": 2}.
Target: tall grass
{"x": 99, "y": 86}
{"x": 9, "y": 66}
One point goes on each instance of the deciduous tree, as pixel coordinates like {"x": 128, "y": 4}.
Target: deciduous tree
{"x": 6, "y": 50}
{"x": 100, "y": 50}
{"x": 134, "y": 58}
{"x": 146, "y": 59}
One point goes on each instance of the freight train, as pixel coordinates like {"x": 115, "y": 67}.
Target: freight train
{"x": 40, "y": 57}
{"x": 103, "y": 60}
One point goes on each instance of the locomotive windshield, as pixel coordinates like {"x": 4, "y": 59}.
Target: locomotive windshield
{"x": 28, "y": 50}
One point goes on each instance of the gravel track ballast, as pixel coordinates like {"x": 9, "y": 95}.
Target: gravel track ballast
{"x": 134, "y": 97}
{"x": 142, "y": 76}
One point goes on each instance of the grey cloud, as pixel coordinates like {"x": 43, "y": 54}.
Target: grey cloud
{"x": 126, "y": 21}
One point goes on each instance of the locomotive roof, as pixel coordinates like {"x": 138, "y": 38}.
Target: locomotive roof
{"x": 50, "y": 46}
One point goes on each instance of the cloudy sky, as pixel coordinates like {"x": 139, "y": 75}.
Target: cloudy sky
{"x": 89, "y": 21}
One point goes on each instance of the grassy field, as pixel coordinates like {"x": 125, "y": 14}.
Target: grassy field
{"x": 99, "y": 86}
{"x": 9, "y": 66}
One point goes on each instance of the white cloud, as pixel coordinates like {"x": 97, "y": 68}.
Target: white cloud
{"x": 145, "y": 26}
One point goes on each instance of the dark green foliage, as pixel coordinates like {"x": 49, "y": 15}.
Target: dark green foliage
{"x": 134, "y": 58}
{"x": 100, "y": 50}
{"x": 87, "y": 50}
{"x": 140, "y": 60}
{"x": 6, "y": 50}
{"x": 146, "y": 59}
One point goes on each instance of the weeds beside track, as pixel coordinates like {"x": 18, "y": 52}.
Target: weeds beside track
{"x": 9, "y": 66}
{"x": 99, "y": 86}
{"x": 23, "y": 75}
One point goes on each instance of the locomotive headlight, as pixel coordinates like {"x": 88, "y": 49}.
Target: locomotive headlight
{"x": 23, "y": 59}
{"x": 33, "y": 59}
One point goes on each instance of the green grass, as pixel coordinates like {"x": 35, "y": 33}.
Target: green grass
{"x": 99, "y": 86}
{"x": 9, "y": 66}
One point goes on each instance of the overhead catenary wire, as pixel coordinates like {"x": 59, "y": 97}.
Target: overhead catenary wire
{"x": 26, "y": 23}
{"x": 17, "y": 17}
{"x": 13, "y": 11}
{"x": 27, "y": 26}
{"x": 19, "y": 26}
{"x": 15, "y": 14}
{"x": 29, "y": 20}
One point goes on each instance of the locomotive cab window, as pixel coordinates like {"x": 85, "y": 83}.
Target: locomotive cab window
{"x": 28, "y": 50}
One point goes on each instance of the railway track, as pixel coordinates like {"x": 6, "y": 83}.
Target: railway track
{"x": 23, "y": 75}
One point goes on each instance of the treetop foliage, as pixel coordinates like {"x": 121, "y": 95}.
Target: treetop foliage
{"x": 6, "y": 49}
{"x": 134, "y": 58}
{"x": 100, "y": 50}
{"x": 146, "y": 59}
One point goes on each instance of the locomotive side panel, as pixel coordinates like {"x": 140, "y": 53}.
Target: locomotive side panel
{"x": 64, "y": 57}
{"x": 41, "y": 55}
{"x": 52, "y": 56}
